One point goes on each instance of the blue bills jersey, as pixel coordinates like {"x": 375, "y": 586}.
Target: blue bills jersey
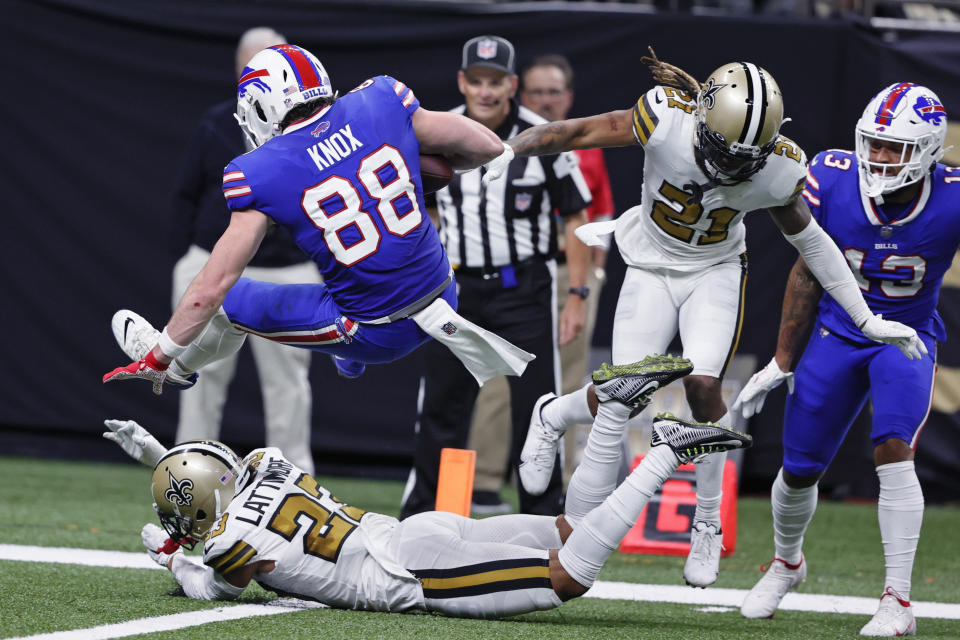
{"x": 346, "y": 184}
{"x": 898, "y": 253}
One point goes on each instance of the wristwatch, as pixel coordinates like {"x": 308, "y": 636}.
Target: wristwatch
{"x": 583, "y": 292}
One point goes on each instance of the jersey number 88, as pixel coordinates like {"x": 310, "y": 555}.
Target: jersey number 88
{"x": 332, "y": 223}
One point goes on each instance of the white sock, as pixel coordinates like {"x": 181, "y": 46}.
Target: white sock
{"x": 900, "y": 511}
{"x": 218, "y": 340}
{"x": 602, "y": 530}
{"x": 710, "y": 482}
{"x": 792, "y": 511}
{"x": 567, "y": 410}
{"x": 596, "y": 476}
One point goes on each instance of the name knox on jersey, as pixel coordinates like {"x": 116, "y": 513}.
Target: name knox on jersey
{"x": 269, "y": 481}
{"x": 335, "y": 148}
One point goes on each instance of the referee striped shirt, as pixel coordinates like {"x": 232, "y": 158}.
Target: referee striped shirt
{"x": 512, "y": 219}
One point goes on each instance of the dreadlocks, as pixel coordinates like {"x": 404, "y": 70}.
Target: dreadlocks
{"x": 670, "y": 75}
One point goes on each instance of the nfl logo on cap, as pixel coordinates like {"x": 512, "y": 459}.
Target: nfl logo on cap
{"x": 487, "y": 49}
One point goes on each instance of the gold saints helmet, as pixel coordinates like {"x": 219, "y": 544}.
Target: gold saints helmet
{"x": 192, "y": 485}
{"x": 739, "y": 113}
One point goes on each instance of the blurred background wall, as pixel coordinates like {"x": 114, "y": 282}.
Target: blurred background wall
{"x": 100, "y": 98}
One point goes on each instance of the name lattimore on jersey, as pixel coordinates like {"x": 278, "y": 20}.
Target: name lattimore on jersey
{"x": 269, "y": 481}
{"x": 337, "y": 147}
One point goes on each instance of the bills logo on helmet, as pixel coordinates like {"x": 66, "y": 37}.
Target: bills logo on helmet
{"x": 252, "y": 76}
{"x": 320, "y": 129}
{"x": 178, "y": 491}
{"x": 929, "y": 109}
{"x": 487, "y": 49}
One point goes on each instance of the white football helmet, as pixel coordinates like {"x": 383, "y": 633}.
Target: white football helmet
{"x": 275, "y": 81}
{"x": 904, "y": 114}
{"x": 192, "y": 485}
{"x": 739, "y": 114}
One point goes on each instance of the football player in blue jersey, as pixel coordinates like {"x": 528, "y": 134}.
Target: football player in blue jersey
{"x": 342, "y": 175}
{"x": 895, "y": 212}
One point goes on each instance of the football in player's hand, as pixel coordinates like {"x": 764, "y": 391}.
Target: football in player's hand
{"x": 435, "y": 172}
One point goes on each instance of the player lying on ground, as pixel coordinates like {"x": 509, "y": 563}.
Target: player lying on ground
{"x": 342, "y": 175}
{"x": 712, "y": 153}
{"x": 895, "y": 209}
{"x": 266, "y": 520}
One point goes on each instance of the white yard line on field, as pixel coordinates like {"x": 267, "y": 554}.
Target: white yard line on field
{"x": 603, "y": 590}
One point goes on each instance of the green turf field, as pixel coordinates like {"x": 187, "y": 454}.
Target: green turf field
{"x": 101, "y": 506}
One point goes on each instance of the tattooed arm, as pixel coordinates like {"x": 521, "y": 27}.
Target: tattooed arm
{"x": 613, "y": 129}
{"x": 799, "y": 308}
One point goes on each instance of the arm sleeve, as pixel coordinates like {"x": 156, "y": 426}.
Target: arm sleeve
{"x": 830, "y": 268}
{"x": 201, "y": 582}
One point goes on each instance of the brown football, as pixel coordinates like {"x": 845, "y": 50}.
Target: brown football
{"x": 435, "y": 172}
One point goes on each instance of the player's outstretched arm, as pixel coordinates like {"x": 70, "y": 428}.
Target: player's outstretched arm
{"x": 230, "y": 255}
{"x": 799, "y": 308}
{"x": 136, "y": 441}
{"x": 613, "y": 129}
{"x": 235, "y": 248}
{"x": 828, "y": 265}
{"x": 466, "y": 143}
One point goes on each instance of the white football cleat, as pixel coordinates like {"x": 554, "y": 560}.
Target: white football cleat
{"x": 539, "y": 449}
{"x": 894, "y": 617}
{"x": 703, "y": 561}
{"x": 137, "y": 337}
{"x": 133, "y": 333}
{"x": 765, "y": 597}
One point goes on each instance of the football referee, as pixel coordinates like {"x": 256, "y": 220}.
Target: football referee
{"x": 502, "y": 242}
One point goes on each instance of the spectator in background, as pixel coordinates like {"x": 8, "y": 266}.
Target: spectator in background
{"x": 201, "y": 216}
{"x": 502, "y": 243}
{"x": 547, "y": 90}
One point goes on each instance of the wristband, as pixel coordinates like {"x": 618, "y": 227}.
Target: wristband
{"x": 168, "y": 346}
{"x": 153, "y": 363}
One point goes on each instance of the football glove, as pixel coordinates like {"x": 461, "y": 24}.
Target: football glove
{"x": 750, "y": 400}
{"x": 159, "y": 545}
{"x": 135, "y": 440}
{"x": 498, "y": 166}
{"x": 899, "y": 335}
{"x": 147, "y": 368}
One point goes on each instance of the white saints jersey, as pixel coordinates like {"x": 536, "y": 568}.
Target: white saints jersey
{"x": 324, "y": 550}
{"x": 674, "y": 229}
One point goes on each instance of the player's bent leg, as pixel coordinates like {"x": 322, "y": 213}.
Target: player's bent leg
{"x": 218, "y": 340}
{"x": 525, "y": 530}
{"x": 621, "y": 389}
{"x": 673, "y": 441}
{"x": 469, "y": 578}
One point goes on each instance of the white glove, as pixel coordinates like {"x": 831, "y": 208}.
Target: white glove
{"x": 135, "y": 440}
{"x": 498, "y": 166}
{"x": 899, "y": 335}
{"x": 750, "y": 400}
{"x": 159, "y": 545}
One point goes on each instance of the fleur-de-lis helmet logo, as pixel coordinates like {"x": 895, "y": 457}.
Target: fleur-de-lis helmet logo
{"x": 708, "y": 93}
{"x": 178, "y": 493}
